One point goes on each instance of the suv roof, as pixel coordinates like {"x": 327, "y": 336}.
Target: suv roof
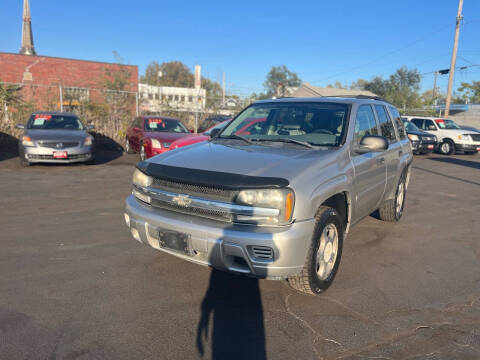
{"x": 59, "y": 113}
{"x": 337, "y": 99}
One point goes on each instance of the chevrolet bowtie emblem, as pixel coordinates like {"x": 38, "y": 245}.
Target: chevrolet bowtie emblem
{"x": 182, "y": 200}
{"x": 59, "y": 145}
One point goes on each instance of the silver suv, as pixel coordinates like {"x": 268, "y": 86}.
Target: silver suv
{"x": 278, "y": 200}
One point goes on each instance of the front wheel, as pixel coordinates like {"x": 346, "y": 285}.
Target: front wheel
{"x": 323, "y": 258}
{"x": 142, "y": 152}
{"x": 447, "y": 147}
{"x": 128, "y": 147}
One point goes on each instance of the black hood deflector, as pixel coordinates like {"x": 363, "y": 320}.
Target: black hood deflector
{"x": 227, "y": 181}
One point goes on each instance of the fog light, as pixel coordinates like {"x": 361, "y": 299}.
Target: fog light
{"x": 127, "y": 219}
{"x": 135, "y": 234}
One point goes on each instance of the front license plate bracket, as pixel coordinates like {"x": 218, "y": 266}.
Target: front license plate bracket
{"x": 176, "y": 241}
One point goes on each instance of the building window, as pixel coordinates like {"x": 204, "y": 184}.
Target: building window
{"x": 150, "y": 96}
{"x": 190, "y": 99}
{"x": 156, "y": 96}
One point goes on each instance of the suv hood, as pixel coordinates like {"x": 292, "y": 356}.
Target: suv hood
{"x": 56, "y": 135}
{"x": 283, "y": 161}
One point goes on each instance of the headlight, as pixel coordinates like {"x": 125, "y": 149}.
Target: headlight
{"x": 27, "y": 141}
{"x": 166, "y": 145}
{"x": 141, "y": 179}
{"x": 281, "y": 199}
{"x": 88, "y": 140}
{"x": 465, "y": 137}
{"x": 156, "y": 144}
{"x": 413, "y": 137}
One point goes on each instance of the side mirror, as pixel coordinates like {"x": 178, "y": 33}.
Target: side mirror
{"x": 372, "y": 143}
{"x": 20, "y": 126}
{"x": 90, "y": 127}
{"x": 215, "y": 132}
{"x": 432, "y": 128}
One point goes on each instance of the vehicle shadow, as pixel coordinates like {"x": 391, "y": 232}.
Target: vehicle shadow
{"x": 8, "y": 146}
{"x": 232, "y": 318}
{"x": 456, "y": 161}
{"x": 106, "y": 149}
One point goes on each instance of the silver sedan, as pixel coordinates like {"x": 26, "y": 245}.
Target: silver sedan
{"x": 55, "y": 137}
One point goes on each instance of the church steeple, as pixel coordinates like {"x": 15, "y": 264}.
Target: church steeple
{"x": 27, "y": 35}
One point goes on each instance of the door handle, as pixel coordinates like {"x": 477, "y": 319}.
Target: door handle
{"x": 381, "y": 161}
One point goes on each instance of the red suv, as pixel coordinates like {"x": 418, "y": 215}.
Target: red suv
{"x": 152, "y": 135}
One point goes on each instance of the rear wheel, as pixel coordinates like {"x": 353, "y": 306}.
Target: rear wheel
{"x": 392, "y": 210}
{"x": 323, "y": 258}
{"x": 447, "y": 147}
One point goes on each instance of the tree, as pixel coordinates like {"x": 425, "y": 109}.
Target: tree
{"x": 9, "y": 95}
{"x": 278, "y": 79}
{"x": 470, "y": 92}
{"x": 173, "y": 73}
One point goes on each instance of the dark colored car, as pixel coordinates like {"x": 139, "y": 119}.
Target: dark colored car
{"x": 422, "y": 142}
{"x": 152, "y": 135}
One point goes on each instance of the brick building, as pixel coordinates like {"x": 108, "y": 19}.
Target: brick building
{"x": 46, "y": 80}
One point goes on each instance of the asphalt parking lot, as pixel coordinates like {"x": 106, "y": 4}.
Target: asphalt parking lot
{"x": 75, "y": 285}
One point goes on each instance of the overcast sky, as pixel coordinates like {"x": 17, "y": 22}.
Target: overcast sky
{"x": 323, "y": 41}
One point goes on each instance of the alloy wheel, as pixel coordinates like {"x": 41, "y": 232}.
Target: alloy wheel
{"x": 142, "y": 152}
{"x": 327, "y": 252}
{"x": 400, "y": 198}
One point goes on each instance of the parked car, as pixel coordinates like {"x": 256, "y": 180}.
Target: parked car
{"x": 196, "y": 138}
{"x": 451, "y": 138}
{"x": 422, "y": 142}
{"x": 278, "y": 203}
{"x": 152, "y": 135}
{"x": 55, "y": 137}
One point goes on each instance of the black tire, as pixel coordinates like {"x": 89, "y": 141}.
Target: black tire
{"x": 128, "y": 148}
{"x": 447, "y": 147}
{"x": 23, "y": 162}
{"x": 143, "y": 155}
{"x": 389, "y": 211}
{"x": 308, "y": 280}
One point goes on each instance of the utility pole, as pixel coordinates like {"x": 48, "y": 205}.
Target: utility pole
{"x": 60, "y": 91}
{"x": 454, "y": 58}
{"x": 223, "y": 90}
{"x": 434, "y": 93}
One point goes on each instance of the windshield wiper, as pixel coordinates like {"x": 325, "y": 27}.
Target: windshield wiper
{"x": 236, "y": 137}
{"x": 288, "y": 140}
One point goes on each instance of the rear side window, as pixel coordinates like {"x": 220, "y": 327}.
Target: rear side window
{"x": 386, "y": 124}
{"x": 365, "y": 123}
{"x": 429, "y": 125}
{"x": 418, "y": 123}
{"x": 398, "y": 121}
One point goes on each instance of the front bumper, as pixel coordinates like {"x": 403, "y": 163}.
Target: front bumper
{"x": 423, "y": 147}
{"x": 40, "y": 154}
{"x": 467, "y": 147}
{"x": 225, "y": 246}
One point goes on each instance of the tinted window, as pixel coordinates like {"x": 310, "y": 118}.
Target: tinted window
{"x": 427, "y": 124}
{"x": 54, "y": 122}
{"x": 398, "y": 121}
{"x": 386, "y": 124}
{"x": 365, "y": 123}
{"x": 418, "y": 123}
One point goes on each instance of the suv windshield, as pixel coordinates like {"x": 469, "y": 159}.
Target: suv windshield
{"x": 54, "y": 122}
{"x": 447, "y": 124}
{"x": 318, "y": 124}
{"x": 409, "y": 126}
{"x": 165, "y": 125}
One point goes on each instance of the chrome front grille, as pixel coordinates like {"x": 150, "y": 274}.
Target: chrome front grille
{"x": 208, "y": 208}
{"x": 475, "y": 137}
{"x": 195, "y": 190}
{"x": 58, "y": 144}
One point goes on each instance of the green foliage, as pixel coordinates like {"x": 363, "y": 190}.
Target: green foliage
{"x": 470, "y": 91}
{"x": 278, "y": 78}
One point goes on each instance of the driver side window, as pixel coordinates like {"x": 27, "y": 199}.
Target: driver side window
{"x": 365, "y": 123}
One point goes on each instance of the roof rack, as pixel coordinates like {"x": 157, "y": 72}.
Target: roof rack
{"x": 371, "y": 97}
